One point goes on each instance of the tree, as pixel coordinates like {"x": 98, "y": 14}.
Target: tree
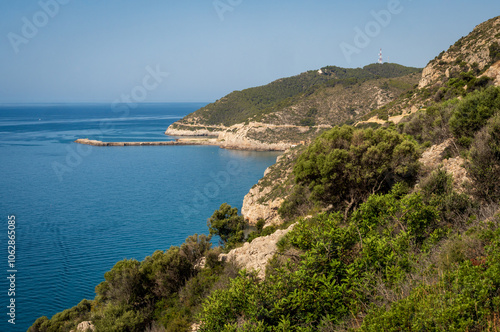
{"x": 122, "y": 283}
{"x": 227, "y": 224}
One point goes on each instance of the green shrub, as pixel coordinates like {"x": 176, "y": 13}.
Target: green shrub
{"x": 494, "y": 52}
{"x": 431, "y": 124}
{"x": 484, "y": 165}
{"x": 345, "y": 165}
{"x": 473, "y": 112}
{"x": 297, "y": 203}
{"x": 465, "y": 298}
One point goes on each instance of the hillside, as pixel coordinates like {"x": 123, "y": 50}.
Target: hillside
{"x": 471, "y": 63}
{"x": 290, "y": 110}
{"x": 395, "y": 228}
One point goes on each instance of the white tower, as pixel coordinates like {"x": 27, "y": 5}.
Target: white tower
{"x": 380, "y": 57}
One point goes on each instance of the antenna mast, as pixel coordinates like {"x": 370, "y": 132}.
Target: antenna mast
{"x": 380, "y": 57}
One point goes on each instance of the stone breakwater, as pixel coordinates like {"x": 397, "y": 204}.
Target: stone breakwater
{"x": 185, "y": 141}
{"x": 224, "y": 143}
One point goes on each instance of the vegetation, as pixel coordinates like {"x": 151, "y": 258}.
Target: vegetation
{"x": 344, "y": 271}
{"x": 345, "y": 165}
{"x": 484, "y": 165}
{"x": 228, "y": 225}
{"x": 472, "y": 113}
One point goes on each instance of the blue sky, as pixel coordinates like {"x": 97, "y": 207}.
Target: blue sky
{"x": 99, "y": 50}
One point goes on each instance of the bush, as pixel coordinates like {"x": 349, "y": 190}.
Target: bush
{"x": 465, "y": 298}
{"x": 484, "y": 164}
{"x": 296, "y": 204}
{"x": 345, "y": 165}
{"x": 494, "y": 52}
{"x": 431, "y": 124}
{"x": 473, "y": 112}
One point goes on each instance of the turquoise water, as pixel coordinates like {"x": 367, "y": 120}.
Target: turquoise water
{"x": 80, "y": 209}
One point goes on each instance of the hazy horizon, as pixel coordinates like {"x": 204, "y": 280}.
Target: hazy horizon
{"x": 69, "y": 51}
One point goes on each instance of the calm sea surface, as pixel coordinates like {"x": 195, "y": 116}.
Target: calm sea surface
{"x": 80, "y": 209}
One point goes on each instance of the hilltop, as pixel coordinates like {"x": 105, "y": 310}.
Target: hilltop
{"x": 294, "y": 109}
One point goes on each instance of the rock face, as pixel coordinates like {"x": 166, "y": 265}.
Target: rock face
{"x": 255, "y": 255}
{"x": 253, "y": 210}
{"x": 188, "y": 130}
{"x": 432, "y": 158}
{"x": 265, "y": 198}
{"x": 472, "y": 51}
{"x": 494, "y": 73}
{"x": 84, "y": 327}
{"x": 239, "y": 136}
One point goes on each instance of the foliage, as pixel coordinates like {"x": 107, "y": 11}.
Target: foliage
{"x": 63, "y": 321}
{"x": 345, "y": 165}
{"x": 338, "y": 270}
{"x": 472, "y": 113}
{"x": 484, "y": 165}
{"x": 309, "y": 118}
{"x": 296, "y": 204}
{"x": 228, "y": 225}
{"x": 134, "y": 294}
{"x": 438, "y": 191}
{"x": 464, "y": 299}
{"x": 430, "y": 124}
{"x": 494, "y": 52}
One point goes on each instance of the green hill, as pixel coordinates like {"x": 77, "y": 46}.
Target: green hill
{"x": 255, "y": 103}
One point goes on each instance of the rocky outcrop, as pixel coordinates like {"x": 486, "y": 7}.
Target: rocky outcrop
{"x": 494, "y": 73}
{"x": 433, "y": 158}
{"x": 253, "y": 210}
{"x": 86, "y": 326}
{"x": 255, "y": 255}
{"x": 176, "y": 129}
{"x": 240, "y": 136}
{"x": 265, "y": 198}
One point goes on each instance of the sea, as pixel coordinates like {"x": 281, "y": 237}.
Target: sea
{"x": 72, "y": 211}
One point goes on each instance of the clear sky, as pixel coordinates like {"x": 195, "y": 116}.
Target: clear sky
{"x": 99, "y": 50}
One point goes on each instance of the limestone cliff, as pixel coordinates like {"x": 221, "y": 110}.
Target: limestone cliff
{"x": 265, "y": 198}
{"x": 255, "y": 255}
{"x": 494, "y": 73}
